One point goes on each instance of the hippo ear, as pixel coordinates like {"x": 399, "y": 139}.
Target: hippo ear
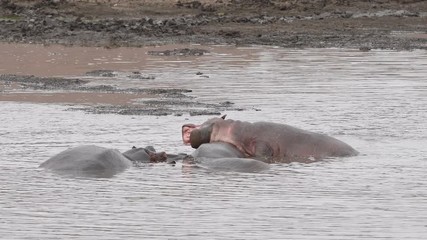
{"x": 223, "y": 116}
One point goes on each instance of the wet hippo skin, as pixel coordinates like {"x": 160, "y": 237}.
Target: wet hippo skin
{"x": 220, "y": 156}
{"x": 145, "y": 155}
{"x": 265, "y": 141}
{"x": 95, "y": 161}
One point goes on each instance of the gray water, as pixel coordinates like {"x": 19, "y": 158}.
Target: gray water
{"x": 375, "y": 101}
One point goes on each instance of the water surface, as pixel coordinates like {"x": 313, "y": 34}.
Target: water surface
{"x": 375, "y": 101}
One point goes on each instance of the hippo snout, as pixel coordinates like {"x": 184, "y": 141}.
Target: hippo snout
{"x": 198, "y": 137}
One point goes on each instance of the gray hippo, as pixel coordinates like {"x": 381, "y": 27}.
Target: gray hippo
{"x": 265, "y": 141}
{"x": 145, "y": 155}
{"x": 221, "y": 156}
{"x": 95, "y": 161}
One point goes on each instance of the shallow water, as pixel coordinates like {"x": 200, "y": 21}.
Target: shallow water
{"x": 375, "y": 101}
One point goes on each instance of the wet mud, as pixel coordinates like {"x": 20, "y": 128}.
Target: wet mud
{"x": 105, "y": 99}
{"x": 180, "y": 52}
{"x": 384, "y": 24}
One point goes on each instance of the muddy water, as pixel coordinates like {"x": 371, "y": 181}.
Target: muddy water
{"x": 376, "y": 101}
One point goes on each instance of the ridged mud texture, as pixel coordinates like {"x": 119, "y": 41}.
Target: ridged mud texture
{"x": 385, "y": 24}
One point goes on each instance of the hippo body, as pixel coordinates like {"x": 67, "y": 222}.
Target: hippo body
{"x": 88, "y": 160}
{"x": 217, "y": 150}
{"x": 220, "y": 156}
{"x": 268, "y": 142}
{"x": 95, "y": 161}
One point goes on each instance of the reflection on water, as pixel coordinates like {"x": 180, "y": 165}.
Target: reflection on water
{"x": 375, "y": 101}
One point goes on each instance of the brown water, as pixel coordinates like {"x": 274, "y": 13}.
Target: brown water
{"x": 376, "y": 101}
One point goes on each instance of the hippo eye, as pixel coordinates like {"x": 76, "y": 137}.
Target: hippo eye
{"x": 223, "y": 116}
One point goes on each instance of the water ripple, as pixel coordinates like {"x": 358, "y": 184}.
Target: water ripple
{"x": 373, "y": 100}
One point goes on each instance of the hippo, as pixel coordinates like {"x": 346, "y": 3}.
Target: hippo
{"x": 266, "y": 141}
{"x": 145, "y": 155}
{"x": 221, "y": 156}
{"x": 217, "y": 150}
{"x": 95, "y": 161}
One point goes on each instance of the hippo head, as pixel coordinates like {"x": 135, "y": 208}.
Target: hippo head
{"x": 196, "y": 135}
{"x": 156, "y": 157}
{"x": 145, "y": 155}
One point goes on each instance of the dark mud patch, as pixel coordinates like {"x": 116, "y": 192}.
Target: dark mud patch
{"x": 41, "y": 83}
{"x": 180, "y": 52}
{"x": 106, "y": 99}
{"x": 163, "y": 107}
{"x": 52, "y": 83}
{"x": 112, "y": 74}
{"x": 101, "y": 73}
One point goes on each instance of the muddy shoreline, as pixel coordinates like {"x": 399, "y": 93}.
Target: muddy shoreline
{"x": 55, "y": 75}
{"x": 106, "y": 99}
{"x": 379, "y": 24}
{"x": 363, "y": 25}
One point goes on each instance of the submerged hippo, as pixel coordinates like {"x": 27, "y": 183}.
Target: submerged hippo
{"x": 217, "y": 150}
{"x": 220, "y": 156}
{"x": 91, "y": 160}
{"x": 145, "y": 155}
{"x": 265, "y": 141}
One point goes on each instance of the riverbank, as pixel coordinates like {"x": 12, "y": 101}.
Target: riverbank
{"x": 379, "y": 24}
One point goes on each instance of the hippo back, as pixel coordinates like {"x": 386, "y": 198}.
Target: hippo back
{"x": 88, "y": 160}
{"x": 217, "y": 150}
{"x": 220, "y": 156}
{"x": 232, "y": 164}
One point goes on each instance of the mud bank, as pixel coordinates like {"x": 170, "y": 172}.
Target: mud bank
{"x": 384, "y": 24}
{"x": 80, "y": 78}
{"x": 102, "y": 99}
